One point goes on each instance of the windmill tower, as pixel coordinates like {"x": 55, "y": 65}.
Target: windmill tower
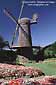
{"x": 25, "y": 37}
{"x": 23, "y": 24}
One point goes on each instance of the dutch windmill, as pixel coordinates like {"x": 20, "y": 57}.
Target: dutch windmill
{"x": 23, "y": 26}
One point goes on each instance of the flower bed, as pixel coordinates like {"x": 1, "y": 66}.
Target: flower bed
{"x": 18, "y": 71}
{"x": 15, "y": 75}
{"x": 47, "y": 80}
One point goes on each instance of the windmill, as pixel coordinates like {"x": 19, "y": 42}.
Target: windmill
{"x": 23, "y": 24}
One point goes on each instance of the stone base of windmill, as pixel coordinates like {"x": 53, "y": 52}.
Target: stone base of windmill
{"x": 21, "y": 60}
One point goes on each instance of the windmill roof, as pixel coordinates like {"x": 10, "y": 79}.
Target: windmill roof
{"x": 24, "y": 20}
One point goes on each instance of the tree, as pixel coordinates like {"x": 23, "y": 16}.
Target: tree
{"x": 3, "y": 43}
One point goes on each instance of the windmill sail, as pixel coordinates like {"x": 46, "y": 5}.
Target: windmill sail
{"x": 14, "y": 35}
{"x": 10, "y": 15}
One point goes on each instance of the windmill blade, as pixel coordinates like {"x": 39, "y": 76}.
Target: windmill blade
{"x": 10, "y": 15}
{"x": 21, "y": 10}
{"x": 14, "y": 35}
{"x": 14, "y": 19}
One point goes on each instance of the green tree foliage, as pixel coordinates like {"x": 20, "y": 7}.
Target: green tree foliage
{"x": 51, "y": 50}
{"x": 54, "y": 48}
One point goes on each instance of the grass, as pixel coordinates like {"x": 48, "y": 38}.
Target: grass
{"x": 49, "y": 67}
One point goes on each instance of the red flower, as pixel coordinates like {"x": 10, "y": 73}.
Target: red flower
{"x": 16, "y": 82}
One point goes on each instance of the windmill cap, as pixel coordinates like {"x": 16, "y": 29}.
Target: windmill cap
{"x": 24, "y": 20}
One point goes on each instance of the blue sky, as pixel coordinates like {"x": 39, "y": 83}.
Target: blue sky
{"x": 43, "y": 33}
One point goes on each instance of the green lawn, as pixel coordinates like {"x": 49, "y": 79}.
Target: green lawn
{"x": 49, "y": 68}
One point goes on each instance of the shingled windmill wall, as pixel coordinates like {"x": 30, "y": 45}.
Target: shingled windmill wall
{"x": 25, "y": 33}
{"x": 25, "y": 40}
